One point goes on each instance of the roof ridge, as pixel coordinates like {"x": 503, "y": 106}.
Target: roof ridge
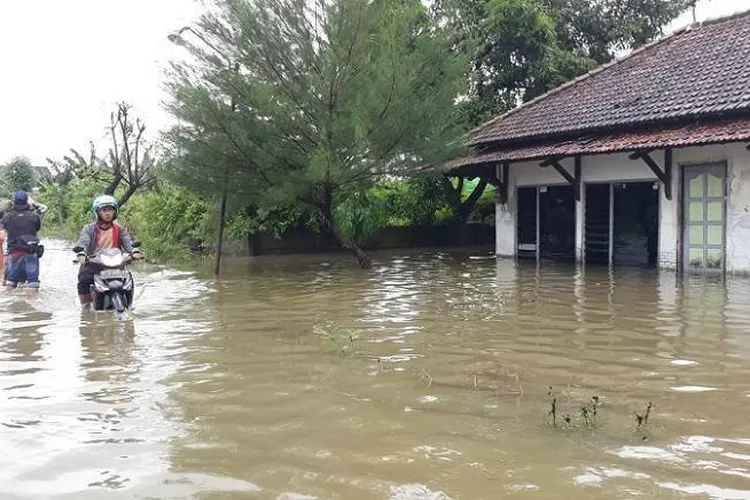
{"x": 602, "y": 67}
{"x": 722, "y": 19}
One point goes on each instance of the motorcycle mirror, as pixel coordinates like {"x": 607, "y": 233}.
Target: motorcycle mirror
{"x": 78, "y": 249}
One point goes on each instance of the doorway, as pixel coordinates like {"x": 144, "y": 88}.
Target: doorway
{"x": 622, "y": 224}
{"x": 546, "y": 222}
{"x": 596, "y": 231}
{"x": 704, "y": 216}
{"x": 527, "y": 223}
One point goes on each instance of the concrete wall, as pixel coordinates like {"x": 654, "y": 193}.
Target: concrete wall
{"x": 617, "y": 167}
{"x": 300, "y": 240}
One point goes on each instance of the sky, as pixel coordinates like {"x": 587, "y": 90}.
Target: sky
{"x": 66, "y": 63}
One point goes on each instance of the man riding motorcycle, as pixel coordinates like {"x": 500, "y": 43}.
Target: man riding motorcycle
{"x": 103, "y": 233}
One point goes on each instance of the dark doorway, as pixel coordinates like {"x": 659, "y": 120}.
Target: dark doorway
{"x": 636, "y": 224}
{"x": 596, "y": 235}
{"x": 527, "y": 223}
{"x": 557, "y": 219}
{"x": 622, "y": 224}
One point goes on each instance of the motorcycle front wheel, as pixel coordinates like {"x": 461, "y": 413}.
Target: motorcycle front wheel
{"x": 118, "y": 302}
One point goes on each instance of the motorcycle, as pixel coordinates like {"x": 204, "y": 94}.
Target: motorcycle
{"x": 113, "y": 284}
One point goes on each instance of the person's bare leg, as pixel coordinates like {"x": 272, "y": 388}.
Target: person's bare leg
{"x": 85, "y": 299}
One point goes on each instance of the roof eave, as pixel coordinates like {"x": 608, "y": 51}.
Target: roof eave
{"x": 632, "y": 126}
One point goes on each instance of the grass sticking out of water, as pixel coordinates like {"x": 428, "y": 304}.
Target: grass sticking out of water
{"x": 588, "y": 416}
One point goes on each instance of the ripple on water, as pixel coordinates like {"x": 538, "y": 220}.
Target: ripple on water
{"x": 231, "y": 388}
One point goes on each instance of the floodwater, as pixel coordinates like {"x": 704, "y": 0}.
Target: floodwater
{"x": 426, "y": 377}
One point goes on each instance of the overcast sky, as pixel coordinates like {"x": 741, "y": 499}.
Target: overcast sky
{"x": 65, "y": 63}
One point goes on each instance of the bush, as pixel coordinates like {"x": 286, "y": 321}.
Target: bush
{"x": 167, "y": 220}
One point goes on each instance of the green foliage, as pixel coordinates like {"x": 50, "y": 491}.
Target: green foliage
{"x": 598, "y": 28}
{"x": 272, "y": 220}
{"x": 18, "y": 174}
{"x": 69, "y": 206}
{"x": 416, "y": 200}
{"x": 361, "y": 213}
{"x": 325, "y": 100}
{"x": 168, "y": 220}
{"x": 519, "y": 49}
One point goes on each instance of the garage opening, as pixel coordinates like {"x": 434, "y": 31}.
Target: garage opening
{"x": 596, "y": 230}
{"x": 622, "y": 224}
{"x": 636, "y": 224}
{"x": 527, "y": 222}
{"x": 546, "y": 223}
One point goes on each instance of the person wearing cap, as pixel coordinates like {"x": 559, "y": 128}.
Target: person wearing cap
{"x": 6, "y": 206}
{"x": 21, "y": 226}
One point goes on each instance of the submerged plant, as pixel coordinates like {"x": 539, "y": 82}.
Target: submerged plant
{"x": 336, "y": 340}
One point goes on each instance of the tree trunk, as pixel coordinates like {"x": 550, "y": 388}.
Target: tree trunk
{"x": 112, "y": 187}
{"x": 364, "y": 260}
{"x": 255, "y": 244}
{"x": 464, "y": 211}
{"x": 130, "y": 192}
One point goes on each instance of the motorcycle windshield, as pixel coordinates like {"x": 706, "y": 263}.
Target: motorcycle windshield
{"x": 110, "y": 257}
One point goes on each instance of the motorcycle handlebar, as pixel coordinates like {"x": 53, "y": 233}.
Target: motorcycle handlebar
{"x": 128, "y": 260}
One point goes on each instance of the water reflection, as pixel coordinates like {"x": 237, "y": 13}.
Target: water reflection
{"x": 108, "y": 357}
{"x": 21, "y": 340}
{"x": 232, "y": 388}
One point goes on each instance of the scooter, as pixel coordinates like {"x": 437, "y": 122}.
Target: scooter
{"x": 113, "y": 285}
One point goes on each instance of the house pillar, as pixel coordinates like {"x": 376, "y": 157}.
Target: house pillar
{"x": 580, "y": 219}
{"x": 505, "y": 212}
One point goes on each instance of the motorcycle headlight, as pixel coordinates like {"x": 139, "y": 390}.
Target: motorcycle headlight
{"x": 115, "y": 284}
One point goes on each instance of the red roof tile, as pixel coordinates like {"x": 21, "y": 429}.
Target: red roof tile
{"x": 699, "y": 71}
{"x": 680, "y": 136}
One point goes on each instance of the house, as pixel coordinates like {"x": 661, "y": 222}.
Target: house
{"x": 643, "y": 161}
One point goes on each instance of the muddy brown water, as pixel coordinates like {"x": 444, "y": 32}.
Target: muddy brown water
{"x": 426, "y": 377}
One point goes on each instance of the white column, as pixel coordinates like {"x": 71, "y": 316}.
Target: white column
{"x": 580, "y": 219}
{"x": 505, "y": 221}
{"x": 669, "y": 222}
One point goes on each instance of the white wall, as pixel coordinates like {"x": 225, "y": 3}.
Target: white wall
{"x": 617, "y": 167}
{"x": 505, "y": 226}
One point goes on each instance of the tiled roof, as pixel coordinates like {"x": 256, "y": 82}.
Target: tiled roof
{"x": 702, "y": 70}
{"x": 734, "y": 130}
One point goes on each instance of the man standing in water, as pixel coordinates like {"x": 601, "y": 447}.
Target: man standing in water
{"x": 6, "y": 206}
{"x": 103, "y": 233}
{"x": 21, "y": 226}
